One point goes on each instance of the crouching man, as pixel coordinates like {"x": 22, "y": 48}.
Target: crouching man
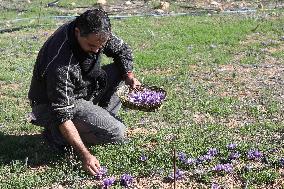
{"x": 71, "y": 95}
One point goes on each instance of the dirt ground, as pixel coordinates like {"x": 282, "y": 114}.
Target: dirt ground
{"x": 137, "y": 7}
{"x": 132, "y": 7}
{"x": 186, "y": 6}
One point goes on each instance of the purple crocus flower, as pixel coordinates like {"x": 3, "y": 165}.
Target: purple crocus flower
{"x": 212, "y": 152}
{"x": 254, "y": 155}
{"x": 232, "y": 146}
{"x": 189, "y": 161}
{"x": 102, "y": 173}
{"x": 107, "y": 182}
{"x": 126, "y": 180}
{"x": 215, "y": 186}
{"x": 281, "y": 161}
{"x": 146, "y": 96}
{"x": 205, "y": 158}
{"x": 218, "y": 167}
{"x": 181, "y": 156}
{"x": 223, "y": 167}
{"x": 179, "y": 175}
{"x": 273, "y": 150}
{"x": 143, "y": 158}
{"x": 34, "y": 37}
{"x": 228, "y": 167}
{"x": 234, "y": 155}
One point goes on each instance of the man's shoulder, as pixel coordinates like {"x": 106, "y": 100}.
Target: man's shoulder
{"x": 56, "y": 54}
{"x": 56, "y": 48}
{"x": 58, "y": 37}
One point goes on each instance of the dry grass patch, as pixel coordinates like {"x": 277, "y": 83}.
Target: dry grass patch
{"x": 163, "y": 72}
{"x": 141, "y": 131}
{"x": 241, "y": 81}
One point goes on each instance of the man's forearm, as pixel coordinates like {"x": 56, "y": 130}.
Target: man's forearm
{"x": 71, "y": 134}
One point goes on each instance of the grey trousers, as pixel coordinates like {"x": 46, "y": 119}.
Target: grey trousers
{"x": 97, "y": 122}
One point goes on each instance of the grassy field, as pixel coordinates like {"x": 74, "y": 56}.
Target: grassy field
{"x": 224, "y": 75}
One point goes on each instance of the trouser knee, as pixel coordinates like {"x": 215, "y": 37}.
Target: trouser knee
{"x": 118, "y": 134}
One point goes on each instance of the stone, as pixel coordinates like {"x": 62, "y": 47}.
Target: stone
{"x": 159, "y": 11}
{"x": 102, "y": 2}
{"x": 164, "y": 5}
{"x": 128, "y": 3}
{"x": 214, "y": 3}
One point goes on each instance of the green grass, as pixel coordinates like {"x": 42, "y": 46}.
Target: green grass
{"x": 182, "y": 54}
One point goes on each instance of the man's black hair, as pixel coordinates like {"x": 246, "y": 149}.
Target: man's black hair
{"x": 93, "y": 21}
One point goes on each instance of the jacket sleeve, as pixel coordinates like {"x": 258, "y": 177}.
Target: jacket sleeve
{"x": 120, "y": 52}
{"x": 60, "y": 93}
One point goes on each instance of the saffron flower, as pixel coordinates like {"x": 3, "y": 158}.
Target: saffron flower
{"x": 102, "y": 173}
{"x": 147, "y": 97}
{"x": 223, "y": 168}
{"x": 205, "y": 158}
{"x": 215, "y": 186}
{"x": 107, "y": 182}
{"x": 181, "y": 156}
{"x": 232, "y": 146}
{"x": 143, "y": 158}
{"x": 254, "y": 155}
{"x": 34, "y": 37}
{"x": 281, "y": 162}
{"x": 212, "y": 152}
{"x": 189, "y": 161}
{"x": 178, "y": 175}
{"x": 126, "y": 180}
{"x": 234, "y": 155}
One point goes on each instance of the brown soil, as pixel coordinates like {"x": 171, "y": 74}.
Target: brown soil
{"x": 123, "y": 7}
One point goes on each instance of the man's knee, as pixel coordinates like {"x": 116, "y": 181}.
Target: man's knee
{"x": 118, "y": 134}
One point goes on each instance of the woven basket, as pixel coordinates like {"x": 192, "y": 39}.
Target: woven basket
{"x": 124, "y": 91}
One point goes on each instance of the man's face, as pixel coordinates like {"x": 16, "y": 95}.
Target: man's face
{"x": 91, "y": 43}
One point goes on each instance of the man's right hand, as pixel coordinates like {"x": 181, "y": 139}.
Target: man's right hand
{"x": 130, "y": 80}
{"x": 91, "y": 164}
{"x": 70, "y": 133}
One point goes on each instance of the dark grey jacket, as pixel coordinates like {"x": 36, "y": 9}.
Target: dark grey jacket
{"x": 63, "y": 72}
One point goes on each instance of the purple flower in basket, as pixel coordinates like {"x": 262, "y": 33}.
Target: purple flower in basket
{"x": 147, "y": 97}
{"x": 107, "y": 182}
{"x": 126, "y": 180}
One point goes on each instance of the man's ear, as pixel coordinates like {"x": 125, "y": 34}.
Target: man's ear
{"x": 77, "y": 31}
